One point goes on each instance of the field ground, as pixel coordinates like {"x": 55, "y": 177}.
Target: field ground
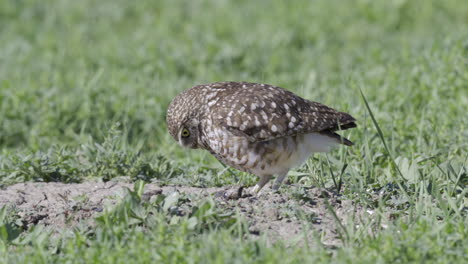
{"x": 272, "y": 215}
{"x": 89, "y": 174}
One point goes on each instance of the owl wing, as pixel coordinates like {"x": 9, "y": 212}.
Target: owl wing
{"x": 262, "y": 112}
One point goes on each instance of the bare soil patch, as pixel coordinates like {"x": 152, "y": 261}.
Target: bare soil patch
{"x": 279, "y": 216}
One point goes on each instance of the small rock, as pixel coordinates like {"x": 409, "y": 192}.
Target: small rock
{"x": 324, "y": 194}
{"x": 97, "y": 209}
{"x": 147, "y": 195}
{"x": 254, "y": 230}
{"x": 230, "y": 194}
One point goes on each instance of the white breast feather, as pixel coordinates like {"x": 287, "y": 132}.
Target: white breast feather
{"x": 319, "y": 143}
{"x": 310, "y": 143}
{"x": 307, "y": 144}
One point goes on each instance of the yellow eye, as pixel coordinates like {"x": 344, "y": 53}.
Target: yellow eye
{"x": 185, "y": 133}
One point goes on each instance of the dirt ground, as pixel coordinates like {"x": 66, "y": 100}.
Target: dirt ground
{"x": 276, "y": 215}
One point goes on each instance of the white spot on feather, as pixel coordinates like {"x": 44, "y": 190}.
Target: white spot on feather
{"x": 257, "y": 123}
{"x": 212, "y": 102}
{"x": 211, "y": 96}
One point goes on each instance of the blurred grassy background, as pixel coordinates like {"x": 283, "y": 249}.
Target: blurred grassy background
{"x": 71, "y": 70}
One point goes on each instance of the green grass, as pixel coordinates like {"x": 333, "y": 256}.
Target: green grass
{"x": 84, "y": 87}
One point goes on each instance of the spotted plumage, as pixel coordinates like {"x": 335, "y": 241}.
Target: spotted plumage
{"x": 258, "y": 128}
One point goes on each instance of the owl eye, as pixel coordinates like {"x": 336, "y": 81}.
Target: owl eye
{"x": 185, "y": 133}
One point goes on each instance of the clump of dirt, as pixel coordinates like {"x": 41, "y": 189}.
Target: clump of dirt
{"x": 284, "y": 216}
{"x": 293, "y": 217}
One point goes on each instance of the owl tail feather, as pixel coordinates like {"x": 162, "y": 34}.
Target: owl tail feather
{"x": 338, "y": 138}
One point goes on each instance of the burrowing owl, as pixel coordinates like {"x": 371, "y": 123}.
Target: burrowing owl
{"x": 256, "y": 128}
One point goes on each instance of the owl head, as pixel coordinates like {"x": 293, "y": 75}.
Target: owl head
{"x": 182, "y": 122}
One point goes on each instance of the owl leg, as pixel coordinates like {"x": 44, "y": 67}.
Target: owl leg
{"x": 279, "y": 180}
{"x": 263, "y": 180}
